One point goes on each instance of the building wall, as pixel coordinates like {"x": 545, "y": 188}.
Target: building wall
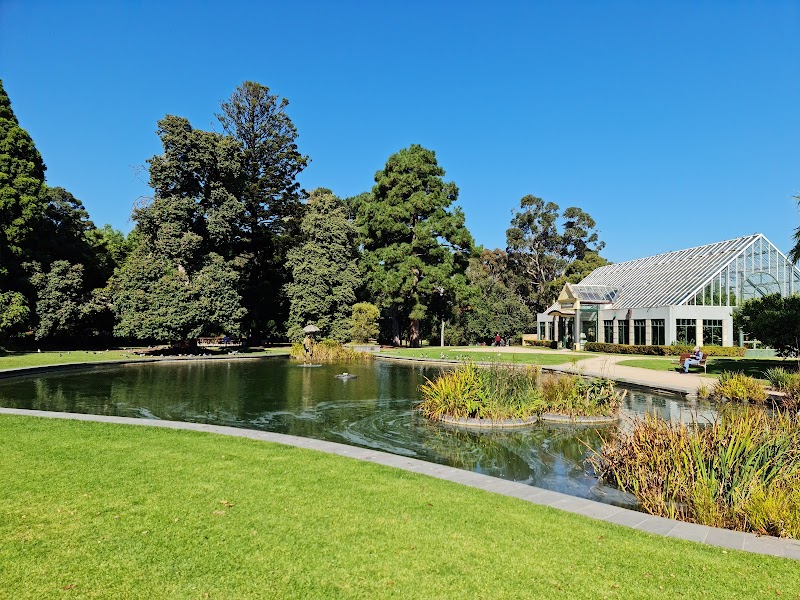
{"x": 670, "y": 314}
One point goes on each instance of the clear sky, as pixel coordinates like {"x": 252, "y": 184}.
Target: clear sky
{"x": 673, "y": 124}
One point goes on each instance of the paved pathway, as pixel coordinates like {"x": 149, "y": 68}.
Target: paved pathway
{"x": 605, "y": 365}
{"x": 605, "y": 512}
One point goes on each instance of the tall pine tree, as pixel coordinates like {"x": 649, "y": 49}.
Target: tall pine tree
{"x": 414, "y": 242}
{"x": 324, "y": 270}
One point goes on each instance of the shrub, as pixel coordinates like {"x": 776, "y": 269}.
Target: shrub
{"x": 734, "y": 385}
{"x": 740, "y": 472}
{"x": 671, "y": 350}
{"x": 364, "y": 322}
{"x": 542, "y": 343}
{"x": 703, "y": 391}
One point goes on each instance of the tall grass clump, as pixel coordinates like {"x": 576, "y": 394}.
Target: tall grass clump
{"x": 786, "y": 382}
{"x": 498, "y": 392}
{"x": 735, "y": 385}
{"x": 577, "y": 397}
{"x": 504, "y": 392}
{"x": 741, "y": 471}
{"x": 328, "y": 351}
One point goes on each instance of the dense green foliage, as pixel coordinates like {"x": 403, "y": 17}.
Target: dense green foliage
{"x": 414, "y": 243}
{"x": 740, "y": 472}
{"x": 364, "y": 322}
{"x": 772, "y": 319}
{"x": 671, "y": 350}
{"x": 324, "y": 268}
{"x": 491, "y": 302}
{"x": 270, "y": 196}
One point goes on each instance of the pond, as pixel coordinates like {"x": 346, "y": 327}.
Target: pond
{"x": 372, "y": 410}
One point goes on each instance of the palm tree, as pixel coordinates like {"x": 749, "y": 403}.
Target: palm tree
{"x": 794, "y": 253}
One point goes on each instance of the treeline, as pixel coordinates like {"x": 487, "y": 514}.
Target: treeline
{"x": 230, "y": 244}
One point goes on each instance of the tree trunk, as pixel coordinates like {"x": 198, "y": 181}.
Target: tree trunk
{"x": 395, "y": 327}
{"x": 441, "y": 343}
{"x": 413, "y": 336}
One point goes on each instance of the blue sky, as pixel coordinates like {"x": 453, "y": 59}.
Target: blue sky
{"x": 673, "y": 124}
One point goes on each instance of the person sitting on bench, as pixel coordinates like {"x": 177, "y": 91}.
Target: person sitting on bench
{"x": 693, "y": 359}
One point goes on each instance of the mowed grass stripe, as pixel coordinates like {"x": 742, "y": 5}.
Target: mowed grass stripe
{"x": 102, "y": 510}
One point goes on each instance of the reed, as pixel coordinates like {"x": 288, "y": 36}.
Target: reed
{"x": 737, "y": 386}
{"x": 328, "y": 351}
{"x": 504, "y": 392}
{"x": 741, "y": 471}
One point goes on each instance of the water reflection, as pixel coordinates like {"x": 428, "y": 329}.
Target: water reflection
{"x": 374, "y": 410}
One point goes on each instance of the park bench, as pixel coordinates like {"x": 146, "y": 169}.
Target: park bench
{"x": 701, "y": 363}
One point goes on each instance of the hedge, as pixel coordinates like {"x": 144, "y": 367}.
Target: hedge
{"x": 542, "y": 343}
{"x": 672, "y": 350}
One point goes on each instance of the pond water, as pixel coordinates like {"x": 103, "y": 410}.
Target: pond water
{"x": 372, "y": 410}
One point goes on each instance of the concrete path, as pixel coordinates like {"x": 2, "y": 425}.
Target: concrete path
{"x": 606, "y": 365}
{"x": 724, "y": 538}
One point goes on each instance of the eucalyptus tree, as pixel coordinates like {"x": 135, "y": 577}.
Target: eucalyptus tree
{"x": 271, "y": 197}
{"x": 794, "y": 253}
{"x": 414, "y": 241}
{"x": 324, "y": 268}
{"x": 543, "y": 242}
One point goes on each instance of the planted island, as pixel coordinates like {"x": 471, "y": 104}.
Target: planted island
{"x": 502, "y": 395}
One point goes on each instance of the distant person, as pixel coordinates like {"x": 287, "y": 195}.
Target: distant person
{"x": 693, "y": 359}
{"x": 497, "y": 340}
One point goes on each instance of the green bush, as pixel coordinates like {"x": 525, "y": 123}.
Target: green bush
{"x": 542, "y": 343}
{"x": 364, "y": 322}
{"x": 734, "y": 385}
{"x": 672, "y": 350}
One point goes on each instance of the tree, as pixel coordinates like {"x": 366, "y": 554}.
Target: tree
{"x": 492, "y": 304}
{"x": 542, "y": 245}
{"x": 22, "y": 190}
{"x": 364, "y": 322}
{"x": 60, "y": 300}
{"x": 794, "y": 253}
{"x": 271, "y": 197}
{"x": 324, "y": 270}
{"x": 772, "y": 319}
{"x": 182, "y": 279}
{"x": 413, "y": 242}
{"x": 14, "y": 311}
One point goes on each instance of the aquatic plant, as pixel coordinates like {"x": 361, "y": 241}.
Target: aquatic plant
{"x": 504, "y": 392}
{"x": 735, "y": 385}
{"x": 328, "y": 351}
{"x": 742, "y": 471}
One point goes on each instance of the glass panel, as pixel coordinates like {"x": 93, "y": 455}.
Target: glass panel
{"x": 639, "y": 332}
{"x": 657, "y": 332}
{"x": 608, "y": 332}
{"x": 712, "y": 332}
{"x": 622, "y": 332}
{"x": 685, "y": 331}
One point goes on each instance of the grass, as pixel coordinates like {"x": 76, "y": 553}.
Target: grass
{"x": 527, "y": 358}
{"x": 18, "y": 360}
{"x": 754, "y": 367}
{"x": 99, "y": 510}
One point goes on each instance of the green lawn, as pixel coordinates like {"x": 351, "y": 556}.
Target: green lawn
{"x": 16, "y": 360}
{"x": 531, "y": 358}
{"x": 754, "y": 367}
{"x": 97, "y": 510}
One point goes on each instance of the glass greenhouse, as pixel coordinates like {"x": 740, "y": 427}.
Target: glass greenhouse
{"x": 685, "y": 296}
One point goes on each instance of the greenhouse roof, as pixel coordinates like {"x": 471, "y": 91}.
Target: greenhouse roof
{"x": 666, "y": 279}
